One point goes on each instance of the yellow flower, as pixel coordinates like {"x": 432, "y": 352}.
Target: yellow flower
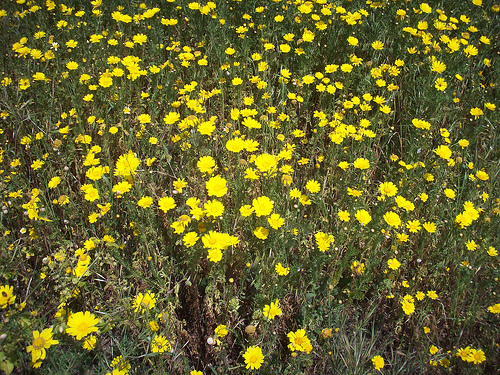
{"x": 235, "y": 144}
{"x": 282, "y": 271}
{"x": 299, "y": 341}
{"x": 393, "y": 264}
{"x": 251, "y": 123}
{"x": 378, "y": 45}
{"x": 121, "y": 188}
{"x": 160, "y": 344}
{"x": 95, "y": 38}
{"x": 344, "y": 165}
{"x": 272, "y": 310}
{"x": 413, "y": 226}
{"x": 120, "y": 365}
{"x": 464, "y": 353}
{"x": 221, "y": 330}
{"x": 166, "y": 203}
{"x": 477, "y": 356}
{"x": 308, "y": 36}
{"x": 378, "y": 362}
{"x": 388, "y": 188}
{"x": 266, "y": 163}
{"x": 471, "y": 245}
{"x": 214, "y": 208}
{"x": 207, "y": 127}
{"x": 24, "y": 83}
{"x": 408, "y": 304}
{"x": 39, "y": 76}
{"x": 216, "y": 186}
{"x": 285, "y": 73}
{"x": 346, "y": 68}
{"x": 492, "y": 252}
{"x": 363, "y": 216}
{"x": 95, "y": 173}
{"x": 236, "y": 81}
{"x": 72, "y": 65}
{"x": 253, "y": 358}
{"x": 490, "y": 106}
{"x": 144, "y": 118}
{"x": 285, "y": 48}
{"x": 190, "y": 239}
{"x": 214, "y": 255}
{"x": 471, "y": 50}
{"x": 482, "y": 175}
{"x": 275, "y": 221}
{"x": 127, "y": 165}
{"x": 81, "y": 324}
{"x": 89, "y": 342}
{"x": 450, "y": 193}
{"x": 41, "y": 341}
{"x": 430, "y": 227}
{"x": 71, "y": 43}
{"x": 144, "y": 302}
{"x": 494, "y": 309}
{"x": 361, "y": 163}
{"x": 432, "y": 294}
{"x": 145, "y": 202}
{"x": 424, "y": 7}
{"x": 313, "y": 186}
{"x": 54, "y": 181}
{"x": 443, "y": 151}
{"x": 323, "y": 240}
{"x": 352, "y": 41}
{"x": 106, "y": 80}
{"x": 392, "y": 219}
{"x": 261, "y": 233}
{"x": 438, "y": 66}
{"x": 476, "y": 112}
{"x": 344, "y": 216}
{"x": 262, "y": 206}
{"x": 37, "y": 164}
{"x": 441, "y": 84}
{"x": 140, "y": 38}
{"x": 206, "y": 164}
{"x": 179, "y": 184}
{"x": 358, "y": 268}
{"x": 93, "y": 217}
{"x": 171, "y": 118}
{"x": 91, "y": 193}
{"x": 246, "y": 210}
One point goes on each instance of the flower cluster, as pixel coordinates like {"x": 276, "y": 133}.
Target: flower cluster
{"x": 173, "y": 171}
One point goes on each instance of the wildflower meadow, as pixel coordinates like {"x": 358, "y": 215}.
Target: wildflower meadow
{"x": 249, "y": 186}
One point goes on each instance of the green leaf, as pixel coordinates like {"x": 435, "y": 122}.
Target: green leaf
{"x": 6, "y": 365}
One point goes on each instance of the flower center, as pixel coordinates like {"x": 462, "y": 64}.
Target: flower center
{"x": 83, "y": 327}
{"x": 39, "y": 343}
{"x": 299, "y": 341}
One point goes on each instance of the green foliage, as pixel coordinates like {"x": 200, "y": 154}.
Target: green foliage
{"x": 184, "y": 184}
